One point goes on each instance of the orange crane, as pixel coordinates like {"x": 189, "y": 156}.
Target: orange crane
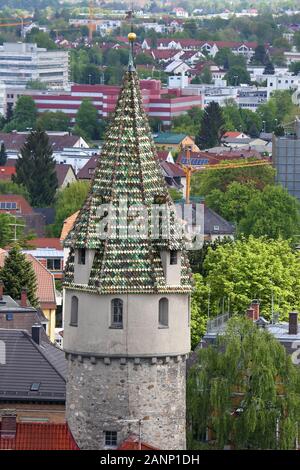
{"x": 91, "y": 25}
{"x": 189, "y": 169}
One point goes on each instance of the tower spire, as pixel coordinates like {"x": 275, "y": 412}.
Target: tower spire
{"x": 131, "y": 39}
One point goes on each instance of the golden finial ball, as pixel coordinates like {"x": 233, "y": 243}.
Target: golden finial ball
{"x": 131, "y": 37}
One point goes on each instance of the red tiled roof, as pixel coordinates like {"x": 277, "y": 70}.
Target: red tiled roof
{"x": 161, "y": 54}
{"x": 14, "y": 141}
{"x": 86, "y": 171}
{"x": 6, "y": 172}
{"x": 162, "y": 155}
{"x": 45, "y": 243}
{"x": 24, "y": 207}
{"x": 68, "y": 225}
{"x": 45, "y": 283}
{"x": 132, "y": 443}
{"x": 232, "y": 134}
{"x": 37, "y": 436}
{"x": 172, "y": 169}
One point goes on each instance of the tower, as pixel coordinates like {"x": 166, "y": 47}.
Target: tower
{"x": 127, "y": 288}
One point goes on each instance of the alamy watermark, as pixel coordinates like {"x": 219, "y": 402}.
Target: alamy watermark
{"x": 152, "y": 222}
{"x": 2, "y": 353}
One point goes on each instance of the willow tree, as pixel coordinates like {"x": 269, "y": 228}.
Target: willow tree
{"x": 245, "y": 391}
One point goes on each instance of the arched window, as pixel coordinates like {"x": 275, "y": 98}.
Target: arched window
{"x": 117, "y": 313}
{"x": 74, "y": 311}
{"x": 163, "y": 313}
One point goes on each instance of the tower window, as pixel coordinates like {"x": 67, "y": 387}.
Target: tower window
{"x": 173, "y": 257}
{"x": 163, "y": 313}
{"x": 74, "y": 311}
{"x": 81, "y": 256}
{"x": 117, "y": 313}
{"x": 111, "y": 438}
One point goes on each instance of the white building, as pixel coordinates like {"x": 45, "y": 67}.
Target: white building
{"x": 281, "y": 82}
{"x": 22, "y": 62}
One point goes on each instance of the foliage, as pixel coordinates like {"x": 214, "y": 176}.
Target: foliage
{"x": 245, "y": 390}
{"x": 237, "y": 75}
{"x": 24, "y": 115}
{"x": 272, "y": 212}
{"x": 9, "y": 187}
{"x": 53, "y": 121}
{"x": 211, "y": 127}
{"x": 254, "y": 268}
{"x": 188, "y": 123}
{"x": 175, "y": 194}
{"x": 204, "y": 182}
{"x": 35, "y": 169}
{"x": 16, "y": 274}
{"x": 87, "y": 122}
{"x": 269, "y": 69}
{"x": 199, "y": 308}
{"x": 68, "y": 201}
{"x": 260, "y": 56}
{"x": 36, "y": 85}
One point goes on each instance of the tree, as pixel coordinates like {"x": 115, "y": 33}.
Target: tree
{"x": 272, "y": 212}
{"x": 53, "y": 121}
{"x": 254, "y": 268}
{"x": 226, "y": 59}
{"x": 16, "y": 274}
{"x": 199, "y": 308}
{"x": 206, "y": 181}
{"x": 86, "y": 121}
{"x": 295, "y": 68}
{"x": 68, "y": 201}
{"x": 237, "y": 75}
{"x": 212, "y": 126}
{"x": 36, "y": 85}
{"x": 269, "y": 69}
{"x": 231, "y": 204}
{"x": 245, "y": 390}
{"x": 297, "y": 40}
{"x": 8, "y": 187}
{"x": 24, "y": 115}
{"x": 260, "y": 56}
{"x": 3, "y": 155}
{"x": 35, "y": 169}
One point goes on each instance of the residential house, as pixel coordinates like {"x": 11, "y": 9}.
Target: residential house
{"x": 45, "y": 293}
{"x": 17, "y": 206}
{"x": 174, "y": 142}
{"x": 32, "y": 377}
{"x": 65, "y": 175}
{"x": 50, "y": 258}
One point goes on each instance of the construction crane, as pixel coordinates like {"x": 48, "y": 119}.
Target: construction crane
{"x": 91, "y": 25}
{"x": 189, "y": 169}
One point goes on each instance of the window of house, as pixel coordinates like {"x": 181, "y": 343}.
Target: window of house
{"x": 163, "y": 313}
{"x": 74, "y": 311}
{"x": 9, "y": 316}
{"x": 216, "y": 228}
{"x": 173, "y": 257}
{"x": 54, "y": 264}
{"x": 111, "y": 438}
{"x": 81, "y": 256}
{"x": 117, "y": 313}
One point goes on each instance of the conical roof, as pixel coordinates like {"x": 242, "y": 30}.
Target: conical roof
{"x": 127, "y": 175}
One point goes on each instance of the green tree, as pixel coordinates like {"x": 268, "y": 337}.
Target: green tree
{"x": 260, "y": 56}
{"x": 237, "y": 75}
{"x": 211, "y": 127}
{"x": 16, "y": 274}
{"x": 3, "y": 155}
{"x": 295, "y": 67}
{"x": 231, "y": 204}
{"x": 206, "y": 181}
{"x": 35, "y": 169}
{"x": 8, "y": 187}
{"x": 254, "y": 268}
{"x": 272, "y": 212}
{"x": 269, "y": 69}
{"x": 36, "y": 85}
{"x": 68, "y": 201}
{"x": 199, "y": 309}
{"x": 86, "y": 121}
{"x": 53, "y": 121}
{"x": 245, "y": 390}
{"x": 24, "y": 115}
{"x": 297, "y": 40}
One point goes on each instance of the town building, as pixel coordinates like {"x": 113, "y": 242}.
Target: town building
{"x": 25, "y": 215}
{"x": 23, "y": 62}
{"x": 33, "y": 376}
{"x": 169, "y": 141}
{"x": 126, "y": 305}
{"x": 51, "y": 258}
{"x": 286, "y": 159}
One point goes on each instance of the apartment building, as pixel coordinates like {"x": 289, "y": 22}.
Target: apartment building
{"x": 22, "y": 62}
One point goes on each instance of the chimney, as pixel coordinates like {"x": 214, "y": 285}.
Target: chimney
{"x": 1, "y": 290}
{"x": 24, "y": 297}
{"x": 8, "y": 424}
{"x": 36, "y": 333}
{"x": 250, "y": 313}
{"x": 255, "y": 307}
{"x": 293, "y": 323}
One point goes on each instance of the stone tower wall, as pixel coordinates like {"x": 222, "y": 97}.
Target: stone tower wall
{"x": 105, "y": 394}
